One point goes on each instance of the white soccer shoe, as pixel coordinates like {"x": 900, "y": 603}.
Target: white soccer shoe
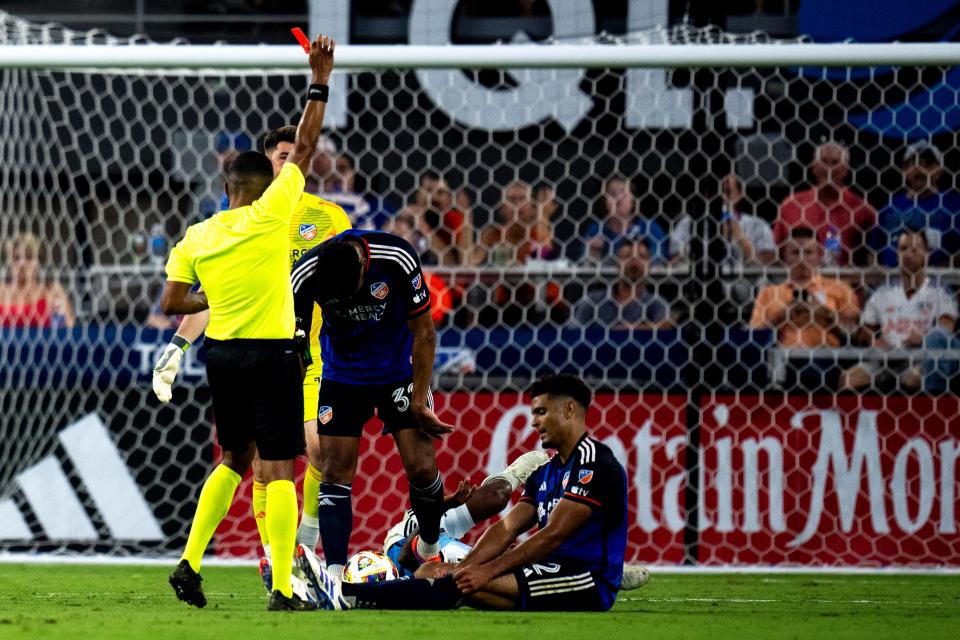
{"x": 634, "y": 577}
{"x": 520, "y": 469}
{"x": 407, "y": 527}
{"x": 325, "y": 588}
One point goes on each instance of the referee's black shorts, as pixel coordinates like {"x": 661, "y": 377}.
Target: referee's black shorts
{"x": 257, "y": 390}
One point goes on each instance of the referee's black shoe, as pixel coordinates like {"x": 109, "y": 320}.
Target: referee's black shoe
{"x": 280, "y": 602}
{"x": 186, "y": 584}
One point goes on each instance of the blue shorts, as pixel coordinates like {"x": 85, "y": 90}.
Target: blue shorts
{"x": 561, "y": 586}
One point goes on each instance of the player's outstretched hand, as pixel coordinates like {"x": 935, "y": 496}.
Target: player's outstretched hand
{"x": 165, "y": 372}
{"x": 473, "y": 577}
{"x": 430, "y": 424}
{"x": 461, "y": 495}
{"x": 321, "y": 58}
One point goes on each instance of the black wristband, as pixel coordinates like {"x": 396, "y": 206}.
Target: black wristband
{"x": 318, "y": 92}
{"x": 180, "y": 341}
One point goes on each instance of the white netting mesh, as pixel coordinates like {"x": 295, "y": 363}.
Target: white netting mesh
{"x": 520, "y": 188}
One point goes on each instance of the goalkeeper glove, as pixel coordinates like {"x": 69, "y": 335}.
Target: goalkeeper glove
{"x": 302, "y": 344}
{"x": 167, "y": 366}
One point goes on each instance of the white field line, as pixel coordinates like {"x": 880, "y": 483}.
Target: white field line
{"x": 34, "y": 558}
{"x": 775, "y": 601}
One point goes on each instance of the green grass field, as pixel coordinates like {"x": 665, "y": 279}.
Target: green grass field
{"x": 80, "y": 601}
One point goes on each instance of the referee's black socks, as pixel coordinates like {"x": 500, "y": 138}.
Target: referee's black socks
{"x": 335, "y": 516}
{"x": 427, "y": 503}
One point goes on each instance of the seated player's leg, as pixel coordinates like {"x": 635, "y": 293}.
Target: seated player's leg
{"x": 493, "y": 495}
{"x": 500, "y": 594}
{"x": 434, "y": 570}
{"x": 346, "y": 408}
{"x": 412, "y": 594}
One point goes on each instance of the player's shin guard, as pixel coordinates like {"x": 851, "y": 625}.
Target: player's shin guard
{"x": 311, "y": 489}
{"x": 215, "y": 499}
{"x": 309, "y": 531}
{"x": 335, "y": 513}
{"x": 260, "y": 513}
{"x": 404, "y": 594}
{"x": 282, "y": 528}
{"x": 427, "y": 503}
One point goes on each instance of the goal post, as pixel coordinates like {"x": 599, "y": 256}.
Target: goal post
{"x": 501, "y": 176}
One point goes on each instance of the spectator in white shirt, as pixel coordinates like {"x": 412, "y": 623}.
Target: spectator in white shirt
{"x": 748, "y": 238}
{"x": 908, "y": 314}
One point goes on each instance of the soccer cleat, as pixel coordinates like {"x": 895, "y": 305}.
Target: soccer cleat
{"x": 326, "y": 587}
{"x": 407, "y": 527}
{"x": 520, "y": 469}
{"x": 634, "y": 577}
{"x": 186, "y": 584}
{"x": 414, "y": 547}
{"x": 266, "y": 574}
{"x": 280, "y": 602}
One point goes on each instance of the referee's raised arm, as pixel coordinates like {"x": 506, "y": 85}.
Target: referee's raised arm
{"x": 308, "y": 131}
{"x": 241, "y": 255}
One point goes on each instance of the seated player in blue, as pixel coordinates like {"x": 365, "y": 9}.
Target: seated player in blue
{"x": 377, "y": 343}
{"x": 466, "y": 507}
{"x": 574, "y": 562}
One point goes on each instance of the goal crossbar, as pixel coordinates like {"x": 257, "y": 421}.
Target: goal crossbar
{"x": 365, "y": 57}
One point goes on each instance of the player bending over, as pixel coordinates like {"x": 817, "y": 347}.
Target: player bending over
{"x": 574, "y": 562}
{"x": 378, "y": 343}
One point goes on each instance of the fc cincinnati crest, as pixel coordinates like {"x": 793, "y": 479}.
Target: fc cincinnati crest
{"x": 308, "y": 231}
{"x": 379, "y": 290}
{"x": 325, "y": 415}
{"x": 586, "y": 475}
{"x": 416, "y": 282}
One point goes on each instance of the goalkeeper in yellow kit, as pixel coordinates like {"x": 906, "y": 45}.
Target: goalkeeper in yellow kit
{"x": 314, "y": 221}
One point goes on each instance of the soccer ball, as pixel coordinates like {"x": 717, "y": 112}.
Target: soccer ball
{"x": 369, "y": 566}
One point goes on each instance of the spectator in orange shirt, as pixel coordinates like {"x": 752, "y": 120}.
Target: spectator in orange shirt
{"x": 840, "y": 218}
{"x": 807, "y": 310}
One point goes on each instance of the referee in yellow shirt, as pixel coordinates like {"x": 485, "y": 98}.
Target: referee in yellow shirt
{"x": 254, "y": 371}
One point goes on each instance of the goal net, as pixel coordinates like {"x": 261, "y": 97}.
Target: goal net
{"x": 632, "y": 225}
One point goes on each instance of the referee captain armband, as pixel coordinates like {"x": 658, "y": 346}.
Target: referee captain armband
{"x": 318, "y": 92}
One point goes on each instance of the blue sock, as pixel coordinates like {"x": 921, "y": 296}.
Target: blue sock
{"x": 412, "y": 593}
{"x": 335, "y": 515}
{"x": 427, "y": 503}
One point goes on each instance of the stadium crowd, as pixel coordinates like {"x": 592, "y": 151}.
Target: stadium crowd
{"x": 532, "y": 261}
